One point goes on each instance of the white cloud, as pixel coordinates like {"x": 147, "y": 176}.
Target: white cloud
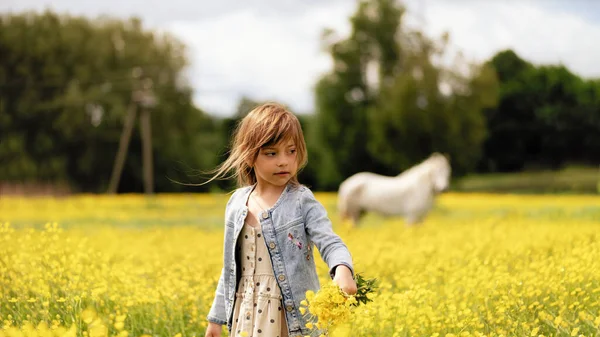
{"x": 264, "y": 57}
{"x": 271, "y": 57}
{"x": 537, "y": 34}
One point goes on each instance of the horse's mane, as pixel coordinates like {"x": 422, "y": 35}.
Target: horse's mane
{"x": 420, "y": 167}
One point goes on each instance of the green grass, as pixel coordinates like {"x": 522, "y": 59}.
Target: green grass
{"x": 568, "y": 180}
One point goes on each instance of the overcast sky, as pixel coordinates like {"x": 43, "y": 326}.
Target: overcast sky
{"x": 269, "y": 49}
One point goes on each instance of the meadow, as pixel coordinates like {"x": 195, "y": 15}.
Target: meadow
{"x": 130, "y": 265}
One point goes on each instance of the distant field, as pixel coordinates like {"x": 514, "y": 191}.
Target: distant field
{"x": 570, "y": 180}
{"x": 132, "y": 266}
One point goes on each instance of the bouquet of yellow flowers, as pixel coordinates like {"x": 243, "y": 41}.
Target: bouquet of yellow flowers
{"x": 331, "y": 307}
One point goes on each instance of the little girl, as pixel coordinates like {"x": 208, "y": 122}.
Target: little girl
{"x": 271, "y": 224}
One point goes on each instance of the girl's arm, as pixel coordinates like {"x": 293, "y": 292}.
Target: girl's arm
{"x": 217, "y": 314}
{"x": 217, "y": 311}
{"x": 331, "y": 247}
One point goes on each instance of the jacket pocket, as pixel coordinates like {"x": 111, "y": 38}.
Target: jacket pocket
{"x": 291, "y": 223}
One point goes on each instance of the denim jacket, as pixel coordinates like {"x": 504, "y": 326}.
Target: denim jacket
{"x": 296, "y": 214}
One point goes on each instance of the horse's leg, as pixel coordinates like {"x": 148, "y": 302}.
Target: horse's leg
{"x": 355, "y": 216}
{"x": 414, "y": 219}
{"x": 353, "y": 220}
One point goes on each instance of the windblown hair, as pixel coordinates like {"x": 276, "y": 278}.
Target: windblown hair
{"x": 267, "y": 124}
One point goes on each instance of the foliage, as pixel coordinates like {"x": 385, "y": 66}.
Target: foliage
{"x": 572, "y": 180}
{"x": 66, "y": 83}
{"x": 546, "y": 117}
{"x": 385, "y": 98}
{"x": 391, "y": 98}
{"x": 365, "y": 288}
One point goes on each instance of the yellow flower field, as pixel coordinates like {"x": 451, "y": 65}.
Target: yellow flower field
{"x": 130, "y": 266}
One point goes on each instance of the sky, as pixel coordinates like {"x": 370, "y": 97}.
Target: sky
{"x": 269, "y": 49}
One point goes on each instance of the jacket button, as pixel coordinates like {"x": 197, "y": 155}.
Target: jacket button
{"x": 265, "y": 215}
{"x": 272, "y": 245}
{"x": 289, "y": 308}
{"x": 281, "y": 277}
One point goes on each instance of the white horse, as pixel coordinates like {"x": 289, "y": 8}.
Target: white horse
{"x": 410, "y": 194}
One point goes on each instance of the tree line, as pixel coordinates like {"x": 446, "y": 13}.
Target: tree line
{"x": 66, "y": 84}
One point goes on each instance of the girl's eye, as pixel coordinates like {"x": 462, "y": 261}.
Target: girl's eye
{"x": 270, "y": 153}
{"x": 293, "y": 151}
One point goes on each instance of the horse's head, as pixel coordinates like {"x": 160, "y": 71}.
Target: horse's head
{"x": 440, "y": 171}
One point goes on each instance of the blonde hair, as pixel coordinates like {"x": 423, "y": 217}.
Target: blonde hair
{"x": 267, "y": 124}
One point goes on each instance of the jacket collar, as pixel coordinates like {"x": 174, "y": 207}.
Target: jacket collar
{"x": 246, "y": 195}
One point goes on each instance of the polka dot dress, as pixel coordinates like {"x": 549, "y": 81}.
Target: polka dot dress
{"x": 258, "y": 310}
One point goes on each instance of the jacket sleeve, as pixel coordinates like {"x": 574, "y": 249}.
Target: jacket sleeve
{"x": 320, "y": 231}
{"x": 217, "y": 313}
{"x": 217, "y": 310}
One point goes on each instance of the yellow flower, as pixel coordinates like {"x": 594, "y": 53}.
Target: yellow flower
{"x": 515, "y": 262}
{"x": 88, "y": 315}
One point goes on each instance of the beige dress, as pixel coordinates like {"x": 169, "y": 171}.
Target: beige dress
{"x": 258, "y": 310}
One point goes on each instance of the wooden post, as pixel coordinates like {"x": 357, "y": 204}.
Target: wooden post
{"x": 147, "y": 101}
{"x": 146, "y": 134}
{"x": 123, "y": 145}
{"x": 144, "y": 97}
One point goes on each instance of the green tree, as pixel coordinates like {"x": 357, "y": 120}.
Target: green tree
{"x": 344, "y": 96}
{"x": 65, "y": 86}
{"x": 415, "y": 117}
{"x": 546, "y": 117}
{"x": 382, "y": 109}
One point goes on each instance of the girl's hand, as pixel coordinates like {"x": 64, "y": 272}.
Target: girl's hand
{"x": 343, "y": 278}
{"x": 213, "y": 330}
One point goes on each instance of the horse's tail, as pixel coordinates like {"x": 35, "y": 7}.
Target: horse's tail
{"x": 342, "y": 200}
{"x": 342, "y": 204}
{"x": 347, "y": 191}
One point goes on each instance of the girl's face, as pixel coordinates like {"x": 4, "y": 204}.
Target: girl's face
{"x": 276, "y": 164}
